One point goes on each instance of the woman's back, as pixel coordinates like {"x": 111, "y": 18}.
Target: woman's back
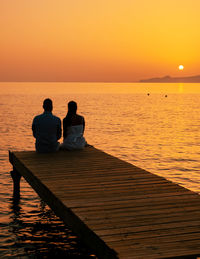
{"x": 73, "y": 120}
{"x": 75, "y": 130}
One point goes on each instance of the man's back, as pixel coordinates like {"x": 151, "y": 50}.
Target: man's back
{"x": 47, "y": 130}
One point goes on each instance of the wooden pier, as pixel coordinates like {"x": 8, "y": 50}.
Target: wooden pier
{"x": 116, "y": 208}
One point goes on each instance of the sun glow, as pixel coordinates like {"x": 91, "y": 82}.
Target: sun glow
{"x": 98, "y": 41}
{"x": 181, "y": 67}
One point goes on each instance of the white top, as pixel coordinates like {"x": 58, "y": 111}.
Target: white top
{"x": 74, "y": 139}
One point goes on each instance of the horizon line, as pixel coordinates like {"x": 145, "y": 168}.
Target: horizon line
{"x": 69, "y": 81}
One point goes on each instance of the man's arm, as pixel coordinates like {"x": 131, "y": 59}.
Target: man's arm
{"x": 34, "y": 129}
{"x": 59, "y": 130}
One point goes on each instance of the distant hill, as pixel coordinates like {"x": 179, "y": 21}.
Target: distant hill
{"x": 169, "y": 79}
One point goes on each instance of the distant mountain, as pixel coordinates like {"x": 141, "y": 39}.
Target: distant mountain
{"x": 169, "y": 79}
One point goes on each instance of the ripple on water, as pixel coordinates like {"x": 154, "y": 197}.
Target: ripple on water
{"x": 36, "y": 233}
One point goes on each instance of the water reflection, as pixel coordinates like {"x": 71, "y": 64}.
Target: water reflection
{"x": 47, "y": 237}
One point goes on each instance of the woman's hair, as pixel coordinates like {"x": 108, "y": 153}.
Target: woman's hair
{"x": 72, "y": 108}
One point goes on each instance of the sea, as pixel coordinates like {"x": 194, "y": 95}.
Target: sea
{"x": 153, "y": 126}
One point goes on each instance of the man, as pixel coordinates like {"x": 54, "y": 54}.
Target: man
{"x": 47, "y": 129}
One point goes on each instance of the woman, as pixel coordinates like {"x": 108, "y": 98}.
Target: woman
{"x": 73, "y": 129}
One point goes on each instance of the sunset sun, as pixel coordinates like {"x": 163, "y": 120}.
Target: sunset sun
{"x": 181, "y": 67}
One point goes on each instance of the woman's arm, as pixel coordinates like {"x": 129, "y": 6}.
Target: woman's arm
{"x": 83, "y": 124}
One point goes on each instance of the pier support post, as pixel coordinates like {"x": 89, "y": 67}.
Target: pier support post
{"x": 16, "y": 176}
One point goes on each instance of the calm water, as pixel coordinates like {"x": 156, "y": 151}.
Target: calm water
{"x": 159, "y": 132}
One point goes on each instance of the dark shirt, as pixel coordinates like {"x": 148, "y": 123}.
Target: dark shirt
{"x": 47, "y": 130}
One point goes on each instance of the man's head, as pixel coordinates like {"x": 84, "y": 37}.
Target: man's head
{"x": 48, "y": 105}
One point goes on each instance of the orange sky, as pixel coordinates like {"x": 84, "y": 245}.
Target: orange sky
{"x": 101, "y": 40}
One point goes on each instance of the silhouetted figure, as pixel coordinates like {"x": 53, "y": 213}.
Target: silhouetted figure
{"x": 148, "y": 94}
{"x": 47, "y": 129}
{"x": 73, "y": 129}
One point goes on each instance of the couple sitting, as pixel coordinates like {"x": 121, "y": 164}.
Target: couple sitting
{"x": 47, "y": 129}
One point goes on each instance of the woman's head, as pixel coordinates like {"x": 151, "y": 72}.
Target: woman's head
{"x": 72, "y": 107}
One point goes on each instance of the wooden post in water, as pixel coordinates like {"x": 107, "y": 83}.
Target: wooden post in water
{"x": 16, "y": 176}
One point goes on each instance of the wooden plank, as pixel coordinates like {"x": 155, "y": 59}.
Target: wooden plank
{"x": 115, "y": 207}
{"x": 172, "y": 250}
{"x": 142, "y": 221}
